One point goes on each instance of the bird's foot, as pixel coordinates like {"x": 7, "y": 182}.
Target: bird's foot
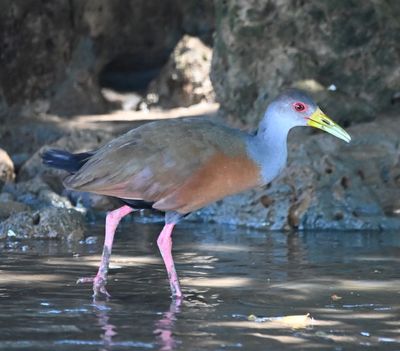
{"x": 99, "y": 285}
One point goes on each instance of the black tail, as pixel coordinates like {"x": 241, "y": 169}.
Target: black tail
{"x": 65, "y": 160}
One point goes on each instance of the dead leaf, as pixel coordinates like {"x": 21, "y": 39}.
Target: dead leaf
{"x": 297, "y": 321}
{"x": 294, "y": 321}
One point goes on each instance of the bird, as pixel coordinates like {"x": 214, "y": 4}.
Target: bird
{"x": 178, "y": 166}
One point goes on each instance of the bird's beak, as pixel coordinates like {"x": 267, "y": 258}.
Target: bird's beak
{"x": 321, "y": 121}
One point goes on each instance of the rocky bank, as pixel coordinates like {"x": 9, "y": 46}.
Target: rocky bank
{"x": 58, "y": 58}
{"x": 327, "y": 185}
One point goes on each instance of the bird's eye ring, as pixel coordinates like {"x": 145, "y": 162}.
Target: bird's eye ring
{"x": 299, "y": 107}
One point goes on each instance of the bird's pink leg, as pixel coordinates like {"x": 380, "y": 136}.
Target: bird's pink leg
{"x": 164, "y": 243}
{"x": 100, "y": 280}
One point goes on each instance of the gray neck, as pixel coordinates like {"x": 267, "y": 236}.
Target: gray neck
{"x": 268, "y": 148}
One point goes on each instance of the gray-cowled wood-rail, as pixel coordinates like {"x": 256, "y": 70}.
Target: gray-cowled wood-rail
{"x": 179, "y": 166}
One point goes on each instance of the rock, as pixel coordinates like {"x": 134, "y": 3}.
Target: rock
{"x": 327, "y": 185}
{"x": 79, "y": 92}
{"x": 6, "y": 168}
{"x": 36, "y": 194}
{"x": 262, "y": 47}
{"x": 31, "y": 209}
{"x": 18, "y": 226}
{"x": 10, "y": 207}
{"x": 49, "y": 197}
{"x": 19, "y": 159}
{"x": 49, "y": 223}
{"x": 57, "y": 52}
{"x": 122, "y": 101}
{"x": 36, "y": 40}
{"x": 185, "y": 79}
{"x": 4, "y": 197}
{"x": 60, "y": 223}
{"x": 22, "y": 136}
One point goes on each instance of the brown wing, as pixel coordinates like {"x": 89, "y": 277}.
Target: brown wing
{"x": 180, "y": 165}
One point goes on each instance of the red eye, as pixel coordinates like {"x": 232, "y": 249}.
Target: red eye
{"x": 299, "y": 107}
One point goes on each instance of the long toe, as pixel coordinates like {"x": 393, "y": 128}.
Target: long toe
{"x": 84, "y": 280}
{"x": 99, "y": 287}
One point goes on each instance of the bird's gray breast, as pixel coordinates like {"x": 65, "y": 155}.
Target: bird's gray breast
{"x": 271, "y": 158}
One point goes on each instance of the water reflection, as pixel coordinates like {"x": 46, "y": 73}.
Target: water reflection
{"x": 164, "y": 328}
{"x": 103, "y": 318}
{"x": 227, "y": 274}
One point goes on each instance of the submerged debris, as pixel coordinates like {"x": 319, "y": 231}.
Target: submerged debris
{"x": 335, "y": 297}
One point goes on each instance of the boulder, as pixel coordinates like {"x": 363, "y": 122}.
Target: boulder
{"x": 348, "y": 49}
{"x": 48, "y": 223}
{"x": 58, "y": 52}
{"x": 9, "y": 207}
{"x": 36, "y": 194}
{"x": 185, "y": 79}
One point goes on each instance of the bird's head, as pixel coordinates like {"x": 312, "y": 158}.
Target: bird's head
{"x": 295, "y": 108}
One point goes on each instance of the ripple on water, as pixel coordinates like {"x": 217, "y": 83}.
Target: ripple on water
{"x": 227, "y": 274}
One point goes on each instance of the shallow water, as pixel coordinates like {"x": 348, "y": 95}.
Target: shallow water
{"x": 226, "y": 273}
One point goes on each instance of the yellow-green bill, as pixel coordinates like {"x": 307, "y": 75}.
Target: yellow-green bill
{"x": 321, "y": 121}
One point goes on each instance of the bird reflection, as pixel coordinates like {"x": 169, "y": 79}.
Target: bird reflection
{"x": 109, "y": 330}
{"x": 163, "y": 330}
{"x": 165, "y": 326}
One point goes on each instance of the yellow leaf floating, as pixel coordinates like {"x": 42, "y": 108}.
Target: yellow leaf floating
{"x": 294, "y": 321}
{"x": 297, "y": 321}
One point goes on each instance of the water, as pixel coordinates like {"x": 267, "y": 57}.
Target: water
{"x": 348, "y": 282}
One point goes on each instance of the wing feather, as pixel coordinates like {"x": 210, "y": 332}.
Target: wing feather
{"x": 154, "y": 160}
